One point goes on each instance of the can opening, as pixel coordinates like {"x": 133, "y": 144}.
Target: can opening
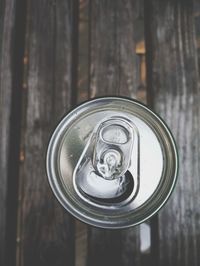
{"x": 125, "y": 189}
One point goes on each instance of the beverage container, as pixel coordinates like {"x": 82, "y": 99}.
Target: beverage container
{"x": 112, "y": 162}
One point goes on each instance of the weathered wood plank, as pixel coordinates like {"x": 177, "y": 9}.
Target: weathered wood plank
{"x": 81, "y": 244}
{"x": 12, "y": 27}
{"x": 6, "y": 31}
{"x": 174, "y": 85}
{"x": 83, "y": 79}
{"x": 46, "y": 231}
{"x": 114, "y": 70}
{"x": 114, "y": 63}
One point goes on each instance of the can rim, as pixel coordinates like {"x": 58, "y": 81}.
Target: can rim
{"x": 80, "y": 215}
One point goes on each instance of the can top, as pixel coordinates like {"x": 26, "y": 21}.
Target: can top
{"x": 112, "y": 162}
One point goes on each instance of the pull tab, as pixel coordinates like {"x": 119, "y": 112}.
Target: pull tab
{"x": 106, "y": 171}
{"x": 113, "y": 148}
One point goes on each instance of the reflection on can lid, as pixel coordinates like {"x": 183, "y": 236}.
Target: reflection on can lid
{"x": 112, "y": 162}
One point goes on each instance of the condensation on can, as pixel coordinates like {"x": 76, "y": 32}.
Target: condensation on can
{"x": 112, "y": 162}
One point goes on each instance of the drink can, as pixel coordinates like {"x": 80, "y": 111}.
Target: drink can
{"x": 112, "y": 162}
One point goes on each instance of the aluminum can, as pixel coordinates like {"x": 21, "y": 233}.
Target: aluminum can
{"x": 112, "y": 162}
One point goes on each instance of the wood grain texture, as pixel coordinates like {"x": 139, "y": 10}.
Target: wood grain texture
{"x": 174, "y": 86}
{"x": 12, "y": 27}
{"x": 114, "y": 63}
{"x": 81, "y": 244}
{"x": 114, "y": 70}
{"x": 83, "y": 87}
{"x": 46, "y": 231}
{"x": 6, "y": 33}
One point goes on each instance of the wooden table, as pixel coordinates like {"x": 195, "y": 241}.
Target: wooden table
{"x": 56, "y": 54}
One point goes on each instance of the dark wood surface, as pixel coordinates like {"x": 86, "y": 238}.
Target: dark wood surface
{"x": 56, "y": 54}
{"x": 6, "y": 33}
{"x": 46, "y": 230}
{"x": 11, "y": 68}
{"x": 173, "y": 84}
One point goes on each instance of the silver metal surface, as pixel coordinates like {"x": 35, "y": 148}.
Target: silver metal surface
{"x": 104, "y": 173}
{"x": 112, "y": 162}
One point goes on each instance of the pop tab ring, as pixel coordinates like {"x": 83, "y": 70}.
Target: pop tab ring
{"x": 112, "y": 162}
{"x": 106, "y": 172}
